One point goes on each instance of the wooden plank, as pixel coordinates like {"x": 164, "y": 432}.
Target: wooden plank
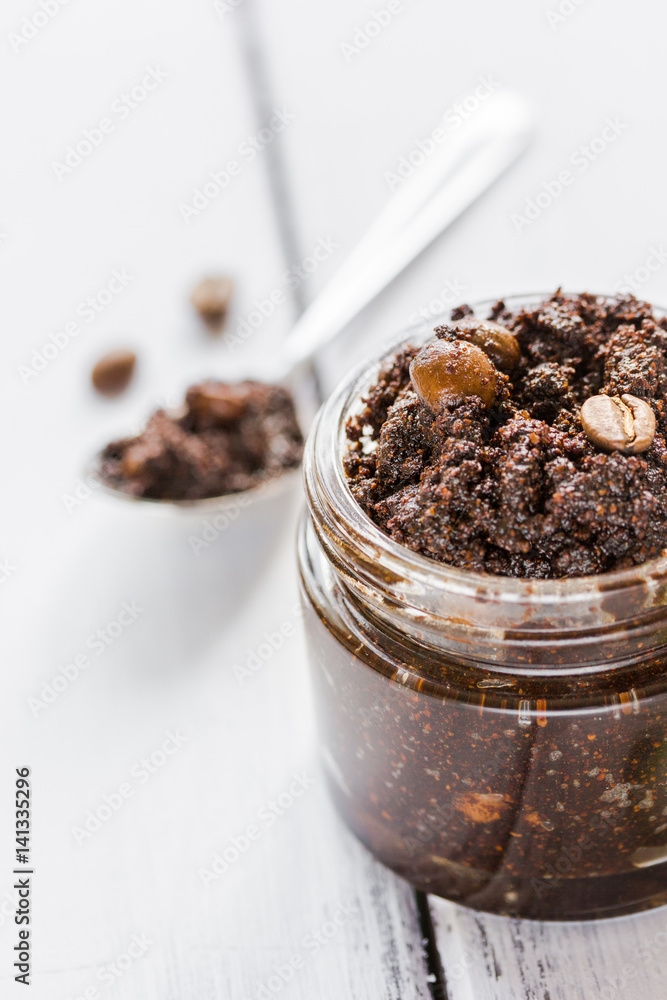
{"x": 357, "y": 115}
{"x": 138, "y": 874}
{"x": 299, "y": 890}
{"x": 118, "y": 873}
{"x": 494, "y": 958}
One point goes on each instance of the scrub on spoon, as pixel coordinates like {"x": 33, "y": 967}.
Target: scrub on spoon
{"x": 233, "y": 440}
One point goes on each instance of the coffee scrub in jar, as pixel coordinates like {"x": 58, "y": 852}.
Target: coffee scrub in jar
{"x": 483, "y": 575}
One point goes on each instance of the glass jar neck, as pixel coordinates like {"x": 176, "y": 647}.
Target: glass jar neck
{"x": 555, "y": 626}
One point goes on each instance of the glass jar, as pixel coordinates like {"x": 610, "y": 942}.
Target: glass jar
{"x": 497, "y": 742}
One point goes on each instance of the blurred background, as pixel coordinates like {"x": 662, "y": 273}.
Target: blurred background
{"x": 113, "y": 241}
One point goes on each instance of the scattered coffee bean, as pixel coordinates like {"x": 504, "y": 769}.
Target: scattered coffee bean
{"x": 450, "y": 368}
{"x": 211, "y": 299}
{"x": 619, "y": 423}
{"x": 495, "y": 340}
{"x": 112, "y": 373}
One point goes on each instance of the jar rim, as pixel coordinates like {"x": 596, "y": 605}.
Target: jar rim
{"x": 327, "y": 484}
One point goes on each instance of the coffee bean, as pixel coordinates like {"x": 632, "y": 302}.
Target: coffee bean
{"x": 112, "y": 373}
{"x": 619, "y": 423}
{"x": 211, "y": 299}
{"x": 217, "y": 402}
{"x": 449, "y": 368}
{"x": 136, "y": 458}
{"x": 495, "y": 340}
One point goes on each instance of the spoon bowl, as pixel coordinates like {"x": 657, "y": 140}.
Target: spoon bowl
{"x": 268, "y": 489}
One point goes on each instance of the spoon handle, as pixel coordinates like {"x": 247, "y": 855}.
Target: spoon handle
{"x": 442, "y": 188}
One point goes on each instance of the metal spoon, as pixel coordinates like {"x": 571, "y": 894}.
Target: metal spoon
{"x": 440, "y": 189}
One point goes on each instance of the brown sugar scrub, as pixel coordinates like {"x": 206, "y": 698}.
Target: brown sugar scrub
{"x": 228, "y": 438}
{"x": 531, "y": 444}
{"x": 497, "y": 738}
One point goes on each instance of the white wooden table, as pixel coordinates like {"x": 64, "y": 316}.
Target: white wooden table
{"x": 135, "y": 905}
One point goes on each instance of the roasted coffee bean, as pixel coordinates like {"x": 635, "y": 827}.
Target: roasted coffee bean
{"x": 217, "y": 402}
{"x": 112, "y": 373}
{"x": 495, "y": 340}
{"x": 211, "y": 299}
{"x": 136, "y": 458}
{"x": 450, "y": 368}
{"x": 619, "y": 423}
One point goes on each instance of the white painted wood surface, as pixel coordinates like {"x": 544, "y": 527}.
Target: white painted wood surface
{"x": 490, "y": 958}
{"x": 304, "y": 890}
